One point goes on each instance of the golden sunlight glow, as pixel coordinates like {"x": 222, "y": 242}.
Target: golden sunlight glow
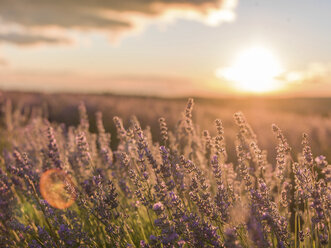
{"x": 254, "y": 70}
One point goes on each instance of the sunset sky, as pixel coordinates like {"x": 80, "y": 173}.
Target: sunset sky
{"x": 167, "y": 47}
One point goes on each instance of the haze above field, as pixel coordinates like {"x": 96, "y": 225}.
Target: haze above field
{"x": 169, "y": 48}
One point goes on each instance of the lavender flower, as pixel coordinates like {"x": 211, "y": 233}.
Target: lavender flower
{"x": 164, "y": 130}
{"x": 283, "y": 152}
{"x": 53, "y": 150}
{"x": 180, "y": 189}
{"x": 104, "y": 141}
{"x": 83, "y": 149}
{"x": 83, "y": 118}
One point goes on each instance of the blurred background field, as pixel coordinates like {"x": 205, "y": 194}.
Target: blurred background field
{"x": 293, "y": 115}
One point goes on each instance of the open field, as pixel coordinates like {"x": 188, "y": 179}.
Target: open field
{"x": 293, "y": 116}
{"x": 67, "y": 182}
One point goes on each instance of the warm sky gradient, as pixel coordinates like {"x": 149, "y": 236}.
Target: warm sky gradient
{"x": 162, "y": 47}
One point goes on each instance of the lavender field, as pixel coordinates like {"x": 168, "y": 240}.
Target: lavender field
{"x": 84, "y": 171}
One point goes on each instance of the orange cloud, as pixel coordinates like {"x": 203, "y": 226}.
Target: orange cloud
{"x": 315, "y": 73}
{"x": 3, "y": 62}
{"x": 112, "y": 16}
{"x": 30, "y": 39}
{"x": 59, "y": 81}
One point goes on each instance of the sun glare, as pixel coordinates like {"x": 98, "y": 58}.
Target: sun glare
{"x": 53, "y": 188}
{"x": 254, "y": 70}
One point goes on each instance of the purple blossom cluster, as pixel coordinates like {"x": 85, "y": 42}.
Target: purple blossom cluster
{"x": 179, "y": 190}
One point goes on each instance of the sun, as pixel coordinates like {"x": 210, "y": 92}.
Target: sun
{"x": 254, "y": 70}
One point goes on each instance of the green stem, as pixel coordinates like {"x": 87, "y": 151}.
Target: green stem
{"x": 53, "y": 233}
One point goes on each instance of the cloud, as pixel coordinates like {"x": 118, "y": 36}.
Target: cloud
{"x": 30, "y": 39}
{"x": 315, "y": 73}
{"x": 112, "y": 16}
{"x": 59, "y": 81}
{"x": 3, "y": 62}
